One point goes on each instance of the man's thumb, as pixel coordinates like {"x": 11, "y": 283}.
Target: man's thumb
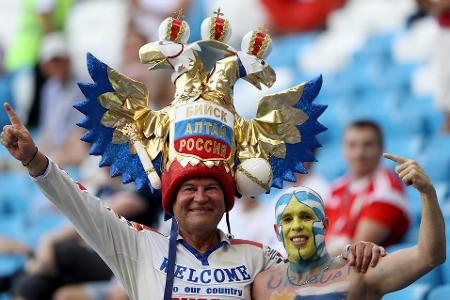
{"x": 20, "y": 134}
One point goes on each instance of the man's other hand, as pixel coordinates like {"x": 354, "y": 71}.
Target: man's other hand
{"x": 362, "y": 254}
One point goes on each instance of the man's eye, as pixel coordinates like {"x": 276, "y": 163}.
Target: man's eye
{"x": 212, "y": 188}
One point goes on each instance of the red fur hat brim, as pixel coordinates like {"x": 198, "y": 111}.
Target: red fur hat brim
{"x": 177, "y": 174}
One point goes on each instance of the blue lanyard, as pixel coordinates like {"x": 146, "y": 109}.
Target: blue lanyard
{"x": 172, "y": 257}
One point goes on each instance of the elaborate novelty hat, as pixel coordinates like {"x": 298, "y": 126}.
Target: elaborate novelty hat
{"x": 200, "y": 134}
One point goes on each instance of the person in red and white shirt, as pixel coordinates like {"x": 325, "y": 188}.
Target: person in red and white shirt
{"x": 369, "y": 203}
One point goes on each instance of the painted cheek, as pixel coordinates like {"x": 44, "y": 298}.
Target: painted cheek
{"x": 309, "y": 250}
{"x": 311, "y": 245}
{"x": 284, "y": 231}
{"x": 290, "y": 249}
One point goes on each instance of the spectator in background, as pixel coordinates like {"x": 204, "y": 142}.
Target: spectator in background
{"x": 61, "y": 259}
{"x": 38, "y": 18}
{"x": 11, "y": 247}
{"x": 287, "y": 16}
{"x": 441, "y": 10}
{"x": 59, "y": 136}
{"x": 368, "y": 203}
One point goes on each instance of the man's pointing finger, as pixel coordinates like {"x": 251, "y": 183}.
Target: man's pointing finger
{"x": 395, "y": 158}
{"x": 12, "y": 115}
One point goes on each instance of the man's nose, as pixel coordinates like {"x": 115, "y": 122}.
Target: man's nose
{"x": 297, "y": 224}
{"x": 360, "y": 151}
{"x": 200, "y": 195}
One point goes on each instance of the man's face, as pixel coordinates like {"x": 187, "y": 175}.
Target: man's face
{"x": 297, "y": 230}
{"x": 58, "y": 68}
{"x": 362, "y": 150}
{"x": 199, "y": 205}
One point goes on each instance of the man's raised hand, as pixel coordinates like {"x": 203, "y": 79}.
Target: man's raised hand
{"x": 411, "y": 173}
{"x": 16, "y": 137}
{"x": 362, "y": 254}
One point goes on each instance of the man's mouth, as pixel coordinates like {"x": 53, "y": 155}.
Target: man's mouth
{"x": 200, "y": 210}
{"x": 299, "y": 240}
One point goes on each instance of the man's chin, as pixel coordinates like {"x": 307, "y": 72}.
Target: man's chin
{"x": 305, "y": 255}
{"x": 202, "y": 225}
{"x": 201, "y": 214}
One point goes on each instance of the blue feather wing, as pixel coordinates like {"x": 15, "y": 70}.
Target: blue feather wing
{"x": 297, "y": 154}
{"x": 116, "y": 156}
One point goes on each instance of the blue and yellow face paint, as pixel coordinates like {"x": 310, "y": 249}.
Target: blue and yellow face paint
{"x": 300, "y": 219}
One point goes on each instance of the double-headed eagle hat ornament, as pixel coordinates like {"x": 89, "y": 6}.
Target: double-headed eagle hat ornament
{"x": 200, "y": 134}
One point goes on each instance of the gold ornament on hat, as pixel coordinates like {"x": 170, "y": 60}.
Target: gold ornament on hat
{"x": 217, "y": 29}
{"x": 179, "y": 14}
{"x": 174, "y": 28}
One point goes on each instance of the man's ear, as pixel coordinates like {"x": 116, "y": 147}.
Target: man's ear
{"x": 326, "y": 223}
{"x": 275, "y": 227}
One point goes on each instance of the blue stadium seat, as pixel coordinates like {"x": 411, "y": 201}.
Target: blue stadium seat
{"x": 330, "y": 163}
{"x": 336, "y": 85}
{"x": 414, "y": 205}
{"x": 360, "y": 77}
{"x": 334, "y": 118}
{"x": 3, "y": 152}
{"x": 3, "y": 296}
{"x": 415, "y": 291}
{"x": 403, "y": 145}
{"x": 6, "y": 95}
{"x": 426, "y": 105}
{"x": 379, "y": 47}
{"x": 194, "y": 16}
{"x": 398, "y": 122}
{"x": 15, "y": 193}
{"x": 38, "y": 230}
{"x": 440, "y": 293}
{"x": 285, "y": 50}
{"x": 435, "y": 159}
{"x": 13, "y": 227}
{"x": 9, "y": 264}
{"x": 445, "y": 267}
{"x": 397, "y": 77}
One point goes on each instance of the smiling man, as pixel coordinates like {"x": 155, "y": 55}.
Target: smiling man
{"x": 307, "y": 244}
{"x": 313, "y": 274}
